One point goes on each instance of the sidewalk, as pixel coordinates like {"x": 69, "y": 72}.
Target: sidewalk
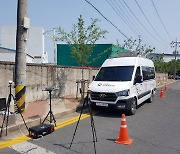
{"x": 35, "y": 112}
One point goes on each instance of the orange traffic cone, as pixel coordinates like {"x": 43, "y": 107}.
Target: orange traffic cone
{"x": 162, "y": 93}
{"x": 165, "y": 87}
{"x": 123, "y": 134}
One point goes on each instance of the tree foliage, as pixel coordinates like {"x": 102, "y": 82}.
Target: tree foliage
{"x": 82, "y": 39}
{"x": 167, "y": 67}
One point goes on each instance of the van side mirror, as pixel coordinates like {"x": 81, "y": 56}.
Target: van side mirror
{"x": 93, "y": 77}
{"x": 138, "y": 79}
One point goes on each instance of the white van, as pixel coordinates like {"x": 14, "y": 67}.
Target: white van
{"x": 123, "y": 83}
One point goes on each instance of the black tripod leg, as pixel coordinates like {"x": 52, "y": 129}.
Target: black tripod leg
{"x": 4, "y": 118}
{"x": 7, "y": 120}
{"x": 93, "y": 128}
{"x": 77, "y": 124}
{"x": 53, "y": 118}
{"x": 8, "y": 105}
{"x": 6, "y": 115}
{"x": 21, "y": 114}
{"x": 92, "y": 120}
{"x": 24, "y": 121}
{"x": 45, "y": 117}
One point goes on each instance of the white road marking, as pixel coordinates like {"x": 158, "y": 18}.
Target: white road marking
{"x": 29, "y": 148}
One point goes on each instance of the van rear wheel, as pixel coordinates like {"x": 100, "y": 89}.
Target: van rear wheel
{"x": 133, "y": 109}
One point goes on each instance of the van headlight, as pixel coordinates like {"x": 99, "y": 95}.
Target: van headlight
{"x": 123, "y": 93}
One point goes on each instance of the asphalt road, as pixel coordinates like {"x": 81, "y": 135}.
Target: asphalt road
{"x": 155, "y": 129}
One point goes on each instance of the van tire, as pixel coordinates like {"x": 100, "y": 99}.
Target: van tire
{"x": 133, "y": 109}
{"x": 150, "y": 100}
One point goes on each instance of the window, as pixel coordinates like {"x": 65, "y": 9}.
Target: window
{"x": 137, "y": 75}
{"x": 138, "y": 72}
{"x": 148, "y": 73}
{"x": 116, "y": 73}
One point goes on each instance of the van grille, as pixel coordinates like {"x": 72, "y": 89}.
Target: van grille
{"x": 111, "y": 97}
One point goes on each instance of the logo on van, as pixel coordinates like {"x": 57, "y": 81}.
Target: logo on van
{"x": 102, "y": 95}
{"x": 105, "y": 84}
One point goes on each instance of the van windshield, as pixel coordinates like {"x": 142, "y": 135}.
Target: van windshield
{"x": 115, "y": 73}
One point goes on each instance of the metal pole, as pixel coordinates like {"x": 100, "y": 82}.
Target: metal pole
{"x": 175, "y": 60}
{"x": 54, "y": 41}
{"x": 20, "y": 59}
{"x": 175, "y": 54}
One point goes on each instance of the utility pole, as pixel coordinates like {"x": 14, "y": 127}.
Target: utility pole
{"x": 139, "y": 46}
{"x": 53, "y": 36}
{"x": 175, "y": 45}
{"x": 23, "y": 24}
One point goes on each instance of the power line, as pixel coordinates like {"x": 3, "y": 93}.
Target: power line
{"x": 114, "y": 24}
{"x": 126, "y": 14}
{"x": 139, "y": 21}
{"x": 106, "y": 19}
{"x": 113, "y": 6}
{"x": 132, "y": 20}
{"x": 133, "y": 26}
{"x": 161, "y": 20}
{"x": 148, "y": 21}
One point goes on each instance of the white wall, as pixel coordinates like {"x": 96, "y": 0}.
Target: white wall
{"x": 168, "y": 58}
{"x": 8, "y": 37}
{"x": 9, "y": 56}
{"x": 35, "y": 42}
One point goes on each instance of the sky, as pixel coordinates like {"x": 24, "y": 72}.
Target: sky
{"x": 155, "y": 21}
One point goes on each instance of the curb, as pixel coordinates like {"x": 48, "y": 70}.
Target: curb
{"x": 162, "y": 85}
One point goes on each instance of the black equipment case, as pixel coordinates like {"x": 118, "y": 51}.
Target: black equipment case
{"x": 41, "y": 130}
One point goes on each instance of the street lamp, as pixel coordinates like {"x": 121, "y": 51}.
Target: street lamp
{"x": 53, "y": 36}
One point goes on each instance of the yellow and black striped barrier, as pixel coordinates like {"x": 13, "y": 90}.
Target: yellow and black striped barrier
{"x": 20, "y": 98}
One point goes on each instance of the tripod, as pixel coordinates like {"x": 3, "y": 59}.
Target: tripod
{"x": 50, "y": 110}
{"x": 6, "y": 114}
{"x": 87, "y": 102}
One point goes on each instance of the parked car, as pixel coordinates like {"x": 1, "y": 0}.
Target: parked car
{"x": 177, "y": 77}
{"x": 170, "y": 77}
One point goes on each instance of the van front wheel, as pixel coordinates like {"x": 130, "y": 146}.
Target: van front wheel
{"x": 150, "y": 100}
{"x": 132, "y": 111}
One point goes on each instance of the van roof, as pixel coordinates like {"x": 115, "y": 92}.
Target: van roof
{"x": 128, "y": 61}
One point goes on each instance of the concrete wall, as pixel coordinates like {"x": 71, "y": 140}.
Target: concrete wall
{"x": 41, "y": 76}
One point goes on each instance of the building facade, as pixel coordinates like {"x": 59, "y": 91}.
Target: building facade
{"x": 8, "y": 55}
{"x": 164, "y": 57}
{"x": 98, "y": 55}
{"x": 35, "y": 42}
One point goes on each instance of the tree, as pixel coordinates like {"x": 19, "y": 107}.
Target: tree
{"x": 170, "y": 67}
{"x": 129, "y": 44}
{"x": 148, "y": 51}
{"x": 159, "y": 64}
{"x": 82, "y": 40}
